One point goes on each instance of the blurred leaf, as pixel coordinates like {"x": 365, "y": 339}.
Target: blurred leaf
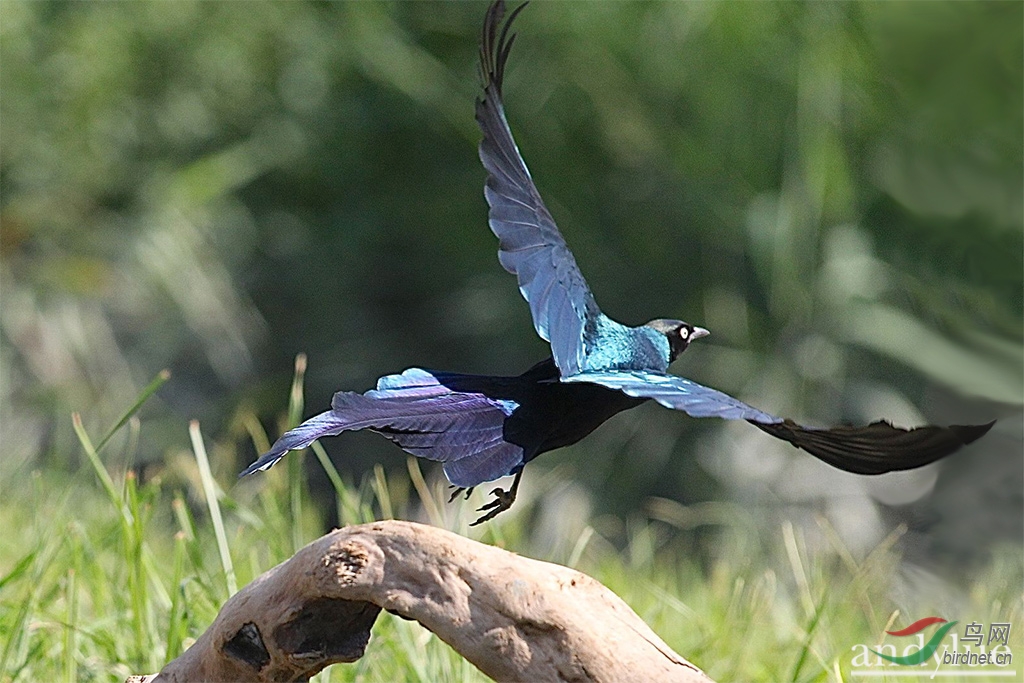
{"x": 892, "y": 332}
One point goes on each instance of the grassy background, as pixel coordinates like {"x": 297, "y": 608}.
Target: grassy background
{"x": 110, "y": 576}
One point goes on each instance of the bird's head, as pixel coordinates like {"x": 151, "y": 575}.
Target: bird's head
{"x": 678, "y": 333}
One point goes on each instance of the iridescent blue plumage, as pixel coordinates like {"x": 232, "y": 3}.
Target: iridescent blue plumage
{"x": 531, "y": 247}
{"x": 613, "y": 346}
{"x": 483, "y": 427}
{"x": 678, "y": 393}
{"x": 529, "y": 244}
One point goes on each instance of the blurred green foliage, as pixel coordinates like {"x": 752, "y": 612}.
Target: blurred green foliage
{"x": 834, "y": 189}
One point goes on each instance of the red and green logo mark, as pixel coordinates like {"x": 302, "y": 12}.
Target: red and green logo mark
{"x": 929, "y": 648}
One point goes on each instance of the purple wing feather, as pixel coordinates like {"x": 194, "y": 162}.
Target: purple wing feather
{"x": 464, "y": 430}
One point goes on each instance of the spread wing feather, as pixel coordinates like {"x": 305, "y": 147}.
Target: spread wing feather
{"x": 425, "y": 418}
{"x": 677, "y": 393}
{"x": 873, "y": 449}
{"x": 529, "y": 243}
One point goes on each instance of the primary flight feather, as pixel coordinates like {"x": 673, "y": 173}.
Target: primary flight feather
{"x": 483, "y": 427}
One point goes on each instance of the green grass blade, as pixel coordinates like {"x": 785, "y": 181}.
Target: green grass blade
{"x": 133, "y": 561}
{"x": 580, "y": 546}
{"x": 152, "y": 568}
{"x": 185, "y": 522}
{"x": 380, "y": 489}
{"x": 812, "y": 627}
{"x": 176, "y": 625}
{"x": 151, "y": 389}
{"x": 296, "y": 402}
{"x": 210, "y": 491}
{"x": 295, "y": 480}
{"x": 97, "y": 465}
{"x": 187, "y": 526}
{"x": 257, "y": 434}
{"x": 71, "y": 628}
{"x": 19, "y": 632}
{"x": 341, "y": 493}
{"x": 19, "y": 568}
{"x": 429, "y": 503}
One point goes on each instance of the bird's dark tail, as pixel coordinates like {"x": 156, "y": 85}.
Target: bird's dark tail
{"x": 879, "y": 447}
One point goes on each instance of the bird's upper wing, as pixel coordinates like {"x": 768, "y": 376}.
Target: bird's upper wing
{"x": 463, "y": 430}
{"x": 873, "y": 449}
{"x": 530, "y": 245}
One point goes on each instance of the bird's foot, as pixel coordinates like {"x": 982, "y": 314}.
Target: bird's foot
{"x": 502, "y": 501}
{"x": 458, "y": 490}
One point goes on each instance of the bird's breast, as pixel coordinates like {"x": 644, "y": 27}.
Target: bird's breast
{"x": 613, "y": 346}
{"x": 560, "y": 414}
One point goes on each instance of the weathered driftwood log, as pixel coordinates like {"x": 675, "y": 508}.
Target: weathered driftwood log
{"x": 515, "y": 618}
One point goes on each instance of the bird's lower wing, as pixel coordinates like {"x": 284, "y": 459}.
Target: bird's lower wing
{"x": 873, "y": 449}
{"x": 677, "y": 393}
{"x": 427, "y": 419}
{"x": 530, "y": 245}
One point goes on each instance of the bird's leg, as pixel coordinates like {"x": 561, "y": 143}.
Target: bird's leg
{"x": 458, "y": 490}
{"x": 502, "y": 501}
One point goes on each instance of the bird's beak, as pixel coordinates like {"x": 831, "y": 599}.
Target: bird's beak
{"x": 699, "y": 332}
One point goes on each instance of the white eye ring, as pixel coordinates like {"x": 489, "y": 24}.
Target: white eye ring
{"x": 683, "y": 332}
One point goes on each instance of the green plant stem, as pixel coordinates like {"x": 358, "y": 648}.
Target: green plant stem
{"x": 210, "y": 491}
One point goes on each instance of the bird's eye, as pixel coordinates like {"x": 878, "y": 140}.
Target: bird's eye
{"x": 683, "y": 332}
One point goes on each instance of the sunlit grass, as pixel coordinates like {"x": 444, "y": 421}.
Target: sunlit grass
{"x": 103, "y": 575}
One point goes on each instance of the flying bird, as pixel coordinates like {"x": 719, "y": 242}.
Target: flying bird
{"x": 483, "y": 427}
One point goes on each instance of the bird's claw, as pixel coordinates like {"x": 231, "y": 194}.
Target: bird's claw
{"x": 487, "y": 506}
{"x": 458, "y": 490}
{"x": 502, "y": 501}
